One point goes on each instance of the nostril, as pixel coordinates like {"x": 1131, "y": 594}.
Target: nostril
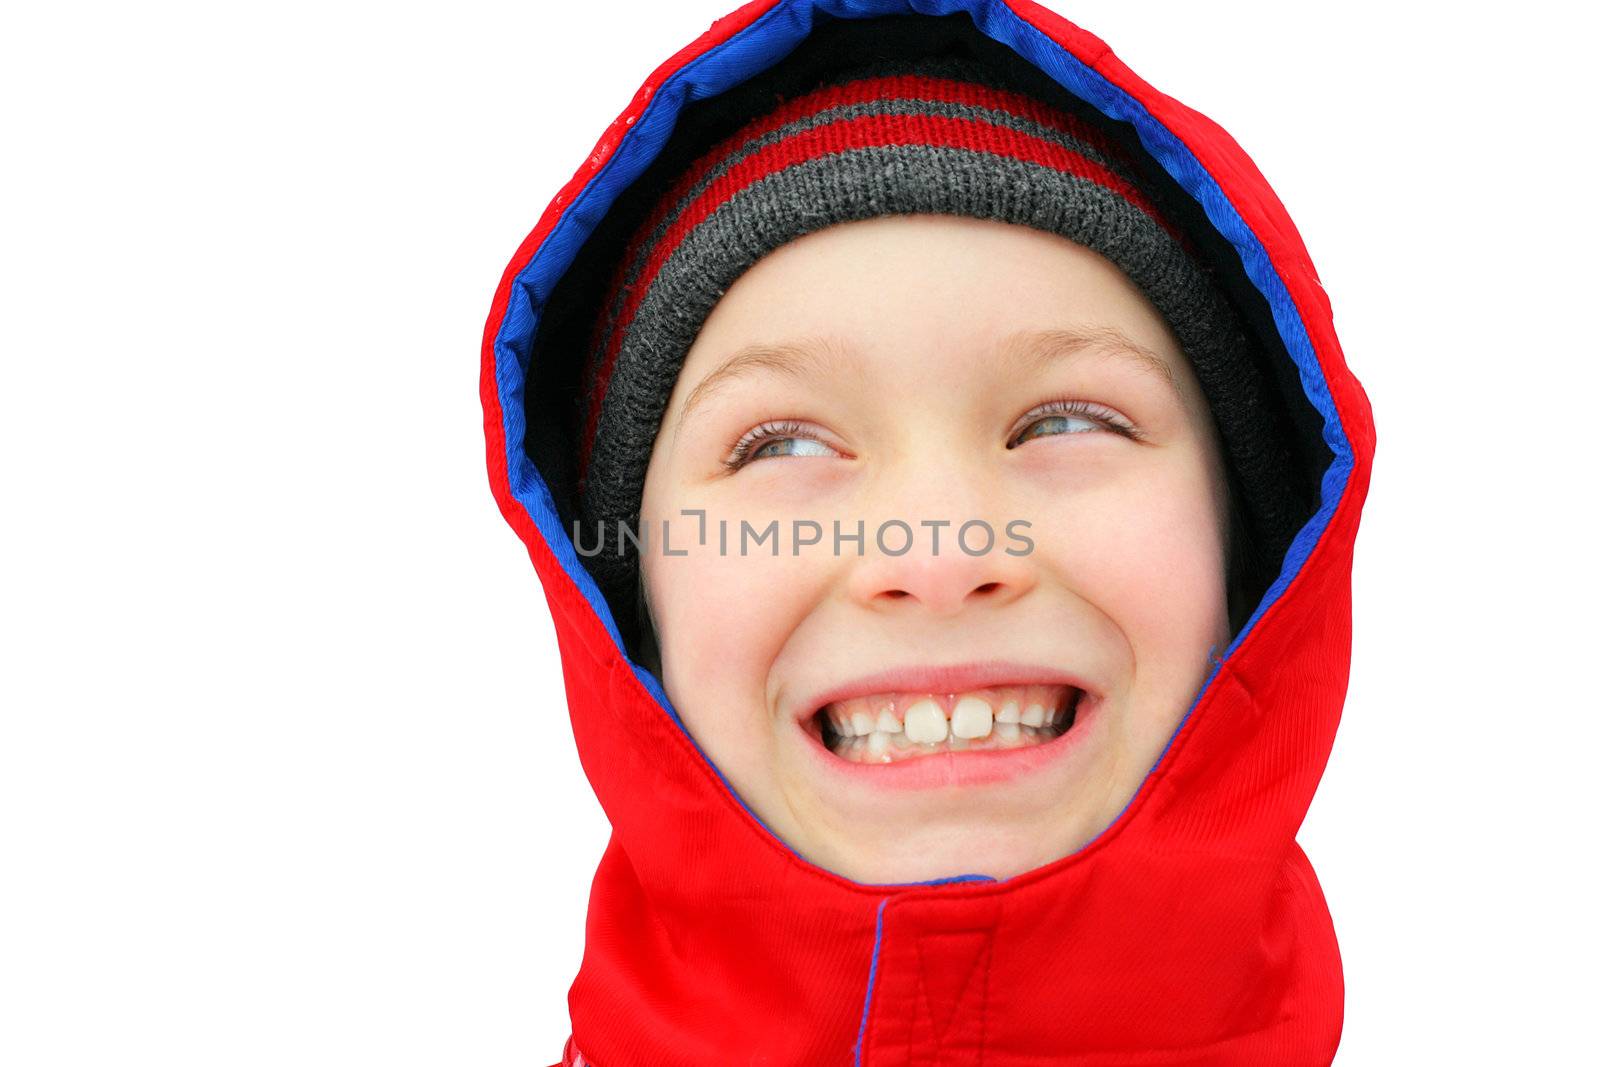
{"x": 987, "y": 587}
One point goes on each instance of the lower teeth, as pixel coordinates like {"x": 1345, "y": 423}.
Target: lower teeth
{"x": 882, "y": 747}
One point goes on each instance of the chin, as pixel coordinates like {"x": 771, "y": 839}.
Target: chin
{"x": 949, "y": 851}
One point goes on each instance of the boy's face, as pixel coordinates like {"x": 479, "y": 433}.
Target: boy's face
{"x": 925, "y": 405}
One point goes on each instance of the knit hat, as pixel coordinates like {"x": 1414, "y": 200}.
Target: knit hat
{"x": 933, "y": 135}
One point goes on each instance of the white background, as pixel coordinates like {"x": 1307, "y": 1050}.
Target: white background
{"x": 286, "y": 774}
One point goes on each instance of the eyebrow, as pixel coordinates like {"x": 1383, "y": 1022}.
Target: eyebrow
{"x": 800, "y": 360}
{"x": 1039, "y": 348}
{"x": 1032, "y": 351}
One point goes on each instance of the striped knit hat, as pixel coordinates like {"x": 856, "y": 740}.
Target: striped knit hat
{"x": 935, "y": 135}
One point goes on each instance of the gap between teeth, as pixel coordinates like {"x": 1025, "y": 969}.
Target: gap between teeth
{"x": 971, "y": 718}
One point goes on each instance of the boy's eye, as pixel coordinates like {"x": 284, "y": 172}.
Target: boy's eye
{"x": 1070, "y": 424}
{"x": 1074, "y": 416}
{"x": 815, "y": 447}
{"x": 762, "y": 440}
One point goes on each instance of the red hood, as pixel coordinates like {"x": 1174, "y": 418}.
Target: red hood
{"x": 1192, "y": 931}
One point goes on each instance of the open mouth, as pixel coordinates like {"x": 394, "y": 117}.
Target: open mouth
{"x": 890, "y": 727}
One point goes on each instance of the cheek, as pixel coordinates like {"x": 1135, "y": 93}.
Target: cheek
{"x": 1145, "y": 548}
{"x": 724, "y": 619}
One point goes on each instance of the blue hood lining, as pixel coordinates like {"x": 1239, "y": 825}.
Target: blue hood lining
{"x": 754, "y": 49}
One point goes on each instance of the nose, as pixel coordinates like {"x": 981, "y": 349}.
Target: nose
{"x": 946, "y": 579}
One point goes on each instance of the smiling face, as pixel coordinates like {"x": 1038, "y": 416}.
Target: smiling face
{"x": 919, "y": 370}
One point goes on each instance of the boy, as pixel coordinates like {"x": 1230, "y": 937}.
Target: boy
{"x": 877, "y": 798}
{"x": 978, "y": 372}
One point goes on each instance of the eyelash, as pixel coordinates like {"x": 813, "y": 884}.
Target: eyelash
{"x": 785, "y": 428}
{"x": 760, "y": 435}
{"x": 1086, "y": 408}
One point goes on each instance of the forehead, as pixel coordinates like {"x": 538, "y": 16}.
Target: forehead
{"x": 905, "y": 286}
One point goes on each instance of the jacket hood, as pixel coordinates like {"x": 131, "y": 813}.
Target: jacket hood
{"x": 1192, "y": 930}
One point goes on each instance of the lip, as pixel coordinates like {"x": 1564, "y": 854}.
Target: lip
{"x": 955, "y": 769}
{"x": 950, "y": 679}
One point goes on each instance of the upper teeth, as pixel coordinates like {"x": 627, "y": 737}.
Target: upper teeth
{"x": 928, "y": 719}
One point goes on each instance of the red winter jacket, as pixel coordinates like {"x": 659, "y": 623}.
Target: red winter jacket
{"x": 1192, "y": 931}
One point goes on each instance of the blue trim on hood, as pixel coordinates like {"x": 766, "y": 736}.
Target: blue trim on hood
{"x": 755, "y": 48}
